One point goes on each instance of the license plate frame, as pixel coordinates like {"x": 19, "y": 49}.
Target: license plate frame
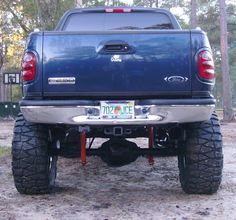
{"x": 117, "y": 109}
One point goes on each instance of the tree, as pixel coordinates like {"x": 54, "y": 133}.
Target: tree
{"x": 50, "y": 11}
{"x": 193, "y": 18}
{"x": 4, "y": 42}
{"x": 228, "y": 113}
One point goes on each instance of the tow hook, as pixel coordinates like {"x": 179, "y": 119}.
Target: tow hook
{"x": 150, "y": 145}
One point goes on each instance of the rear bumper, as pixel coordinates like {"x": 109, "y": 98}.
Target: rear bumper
{"x": 151, "y": 112}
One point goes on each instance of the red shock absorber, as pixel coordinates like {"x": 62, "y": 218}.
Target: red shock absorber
{"x": 83, "y": 148}
{"x": 150, "y": 144}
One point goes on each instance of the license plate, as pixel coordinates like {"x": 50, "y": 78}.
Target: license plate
{"x": 117, "y": 109}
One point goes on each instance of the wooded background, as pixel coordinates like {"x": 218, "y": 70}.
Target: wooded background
{"x": 216, "y": 17}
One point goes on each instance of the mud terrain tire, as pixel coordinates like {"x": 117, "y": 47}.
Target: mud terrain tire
{"x": 201, "y": 164}
{"x": 30, "y": 157}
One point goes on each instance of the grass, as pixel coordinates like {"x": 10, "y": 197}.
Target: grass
{"x": 5, "y": 151}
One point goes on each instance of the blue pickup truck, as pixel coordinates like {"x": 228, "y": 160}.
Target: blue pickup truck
{"x": 117, "y": 73}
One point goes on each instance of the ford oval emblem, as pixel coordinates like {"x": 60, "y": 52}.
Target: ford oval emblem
{"x": 176, "y": 79}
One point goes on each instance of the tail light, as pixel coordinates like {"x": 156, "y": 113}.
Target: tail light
{"x": 206, "y": 65}
{"x": 117, "y": 10}
{"x": 28, "y": 67}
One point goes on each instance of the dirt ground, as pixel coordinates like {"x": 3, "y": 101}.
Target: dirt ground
{"x": 135, "y": 191}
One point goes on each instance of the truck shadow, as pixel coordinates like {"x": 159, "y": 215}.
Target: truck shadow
{"x": 97, "y": 180}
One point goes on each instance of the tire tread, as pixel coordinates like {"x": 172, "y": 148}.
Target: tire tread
{"x": 201, "y": 173}
{"x": 30, "y": 158}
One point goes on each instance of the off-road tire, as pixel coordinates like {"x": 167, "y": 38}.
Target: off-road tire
{"x": 30, "y": 157}
{"x": 201, "y": 164}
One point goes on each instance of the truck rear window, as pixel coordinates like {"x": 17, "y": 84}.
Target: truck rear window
{"x": 117, "y": 21}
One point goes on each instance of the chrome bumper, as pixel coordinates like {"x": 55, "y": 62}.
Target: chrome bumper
{"x": 144, "y": 115}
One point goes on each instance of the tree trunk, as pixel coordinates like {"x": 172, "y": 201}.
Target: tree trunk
{"x": 193, "y": 18}
{"x": 3, "y": 89}
{"x": 228, "y": 113}
{"x": 46, "y": 13}
{"x": 157, "y": 3}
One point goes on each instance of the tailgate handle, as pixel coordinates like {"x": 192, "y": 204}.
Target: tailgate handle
{"x": 116, "y": 47}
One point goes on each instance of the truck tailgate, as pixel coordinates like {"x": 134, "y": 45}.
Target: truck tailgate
{"x": 120, "y": 63}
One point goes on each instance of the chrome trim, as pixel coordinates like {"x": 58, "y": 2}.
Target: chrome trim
{"x": 144, "y": 115}
{"x": 61, "y": 80}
